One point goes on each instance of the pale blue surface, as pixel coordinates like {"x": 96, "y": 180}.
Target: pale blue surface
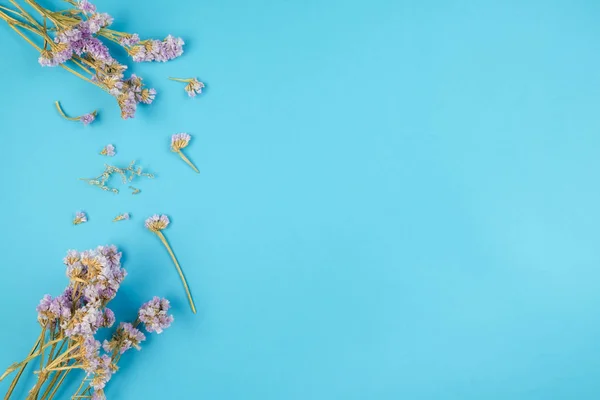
{"x": 398, "y": 200}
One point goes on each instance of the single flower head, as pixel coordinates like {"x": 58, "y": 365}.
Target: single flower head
{"x": 86, "y": 7}
{"x": 154, "y": 315}
{"x": 125, "y": 338}
{"x": 147, "y": 96}
{"x": 194, "y": 87}
{"x": 180, "y": 141}
{"x": 80, "y": 218}
{"x": 87, "y": 119}
{"x": 121, "y": 217}
{"x": 108, "y": 150}
{"x": 157, "y": 222}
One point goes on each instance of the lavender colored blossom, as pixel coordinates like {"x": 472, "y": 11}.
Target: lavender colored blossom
{"x": 180, "y": 141}
{"x": 157, "y": 50}
{"x": 125, "y": 337}
{"x": 147, "y": 96}
{"x": 87, "y": 119}
{"x": 80, "y": 218}
{"x": 108, "y": 150}
{"x": 194, "y": 87}
{"x": 109, "y": 318}
{"x": 129, "y": 40}
{"x": 98, "y": 395}
{"x": 157, "y": 222}
{"x": 154, "y": 315}
{"x": 86, "y": 7}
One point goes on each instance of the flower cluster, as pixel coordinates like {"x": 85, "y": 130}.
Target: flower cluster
{"x": 76, "y": 42}
{"x": 126, "y": 337}
{"x": 75, "y": 317}
{"x": 154, "y": 315}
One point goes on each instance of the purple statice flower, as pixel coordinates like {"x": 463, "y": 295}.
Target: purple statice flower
{"x": 46, "y": 314}
{"x": 126, "y": 337}
{"x": 157, "y": 222}
{"x": 85, "y": 322}
{"x": 108, "y": 150}
{"x": 129, "y": 40}
{"x": 98, "y": 50}
{"x": 46, "y": 59}
{"x": 80, "y": 218}
{"x": 86, "y": 7}
{"x": 96, "y": 22}
{"x": 147, "y": 96}
{"x": 109, "y": 318}
{"x": 180, "y": 141}
{"x": 172, "y": 47}
{"x": 103, "y": 373}
{"x": 98, "y": 395}
{"x": 154, "y": 315}
{"x": 87, "y": 119}
{"x": 71, "y": 257}
{"x": 194, "y": 87}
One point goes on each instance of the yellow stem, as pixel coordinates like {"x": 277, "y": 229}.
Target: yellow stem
{"x": 179, "y": 270}
{"x": 16, "y": 379}
{"x": 184, "y": 158}
{"x": 60, "y": 110}
{"x": 64, "y": 375}
{"x": 181, "y": 79}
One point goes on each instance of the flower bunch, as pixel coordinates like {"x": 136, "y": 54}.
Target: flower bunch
{"x": 74, "y": 39}
{"x": 70, "y": 323}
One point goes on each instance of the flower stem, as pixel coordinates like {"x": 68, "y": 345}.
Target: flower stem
{"x": 64, "y": 375}
{"x": 60, "y": 110}
{"x": 188, "y": 162}
{"x": 180, "y": 79}
{"x": 179, "y": 270}
{"x": 13, "y": 385}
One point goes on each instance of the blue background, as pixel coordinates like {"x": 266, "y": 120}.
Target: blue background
{"x": 397, "y": 200}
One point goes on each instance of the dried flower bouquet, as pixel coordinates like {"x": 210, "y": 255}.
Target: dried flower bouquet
{"x": 73, "y": 39}
{"x": 70, "y": 322}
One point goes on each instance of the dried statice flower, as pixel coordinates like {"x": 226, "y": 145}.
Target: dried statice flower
{"x": 80, "y": 218}
{"x": 71, "y": 322}
{"x": 76, "y": 43}
{"x": 156, "y": 224}
{"x": 86, "y": 7}
{"x": 194, "y": 86}
{"x": 178, "y": 142}
{"x": 125, "y": 337}
{"x": 156, "y": 50}
{"x": 85, "y": 119}
{"x": 121, "y": 217}
{"x": 108, "y": 150}
{"x": 129, "y": 40}
{"x": 134, "y": 190}
{"x": 154, "y": 315}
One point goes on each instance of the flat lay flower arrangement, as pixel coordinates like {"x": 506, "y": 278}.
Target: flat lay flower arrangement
{"x": 75, "y": 38}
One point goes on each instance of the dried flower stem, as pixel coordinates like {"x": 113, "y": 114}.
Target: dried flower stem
{"x": 60, "y": 110}
{"x": 12, "y": 386}
{"x": 163, "y": 239}
{"x": 187, "y": 161}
